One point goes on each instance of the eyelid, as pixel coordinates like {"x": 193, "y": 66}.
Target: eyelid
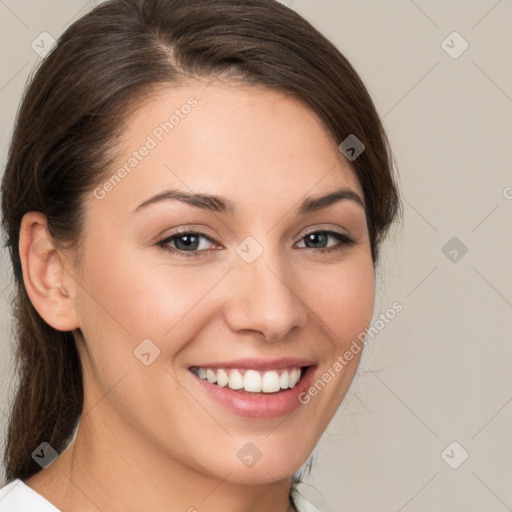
{"x": 199, "y": 229}
{"x": 322, "y": 227}
{"x": 187, "y": 231}
{"x": 350, "y": 236}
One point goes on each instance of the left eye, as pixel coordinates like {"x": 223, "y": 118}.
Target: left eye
{"x": 321, "y": 237}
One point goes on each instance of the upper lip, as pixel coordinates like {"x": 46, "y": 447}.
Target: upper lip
{"x": 259, "y": 364}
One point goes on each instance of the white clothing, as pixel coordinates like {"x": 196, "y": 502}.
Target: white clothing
{"x": 19, "y": 497}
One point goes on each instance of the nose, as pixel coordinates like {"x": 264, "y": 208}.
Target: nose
{"x": 264, "y": 299}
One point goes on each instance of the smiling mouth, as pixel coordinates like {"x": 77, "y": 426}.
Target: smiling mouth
{"x": 252, "y": 382}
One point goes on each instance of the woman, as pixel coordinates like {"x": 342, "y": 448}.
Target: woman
{"x": 194, "y": 201}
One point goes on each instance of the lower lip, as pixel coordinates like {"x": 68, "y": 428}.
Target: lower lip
{"x": 259, "y": 405}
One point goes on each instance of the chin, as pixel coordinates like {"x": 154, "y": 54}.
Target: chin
{"x": 253, "y": 466}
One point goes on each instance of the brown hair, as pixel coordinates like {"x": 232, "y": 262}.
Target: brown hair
{"x": 72, "y": 115}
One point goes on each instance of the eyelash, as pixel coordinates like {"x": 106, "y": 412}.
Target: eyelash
{"x": 345, "y": 241}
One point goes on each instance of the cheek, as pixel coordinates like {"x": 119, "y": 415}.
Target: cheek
{"x": 344, "y": 300}
{"x": 343, "y": 305}
{"x": 133, "y": 294}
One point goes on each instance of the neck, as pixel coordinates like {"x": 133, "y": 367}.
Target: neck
{"x": 106, "y": 468}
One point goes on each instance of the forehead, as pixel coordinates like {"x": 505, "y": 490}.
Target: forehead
{"x": 245, "y": 142}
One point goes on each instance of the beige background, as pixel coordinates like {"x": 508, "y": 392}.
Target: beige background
{"x": 440, "y": 371}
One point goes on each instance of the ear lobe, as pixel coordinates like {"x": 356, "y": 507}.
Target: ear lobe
{"x": 49, "y": 285}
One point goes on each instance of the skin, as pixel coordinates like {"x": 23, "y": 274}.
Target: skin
{"x": 150, "y": 438}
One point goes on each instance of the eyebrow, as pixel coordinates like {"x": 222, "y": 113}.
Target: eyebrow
{"x": 220, "y": 204}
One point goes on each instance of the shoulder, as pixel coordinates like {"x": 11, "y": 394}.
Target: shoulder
{"x": 19, "y": 497}
{"x": 302, "y": 504}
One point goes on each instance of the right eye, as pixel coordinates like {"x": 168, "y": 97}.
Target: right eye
{"x": 185, "y": 243}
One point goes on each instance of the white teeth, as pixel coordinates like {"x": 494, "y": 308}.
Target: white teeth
{"x": 270, "y": 382}
{"x": 294, "y": 377}
{"x": 251, "y": 380}
{"x": 236, "y": 380}
{"x": 284, "y": 380}
{"x": 222, "y": 378}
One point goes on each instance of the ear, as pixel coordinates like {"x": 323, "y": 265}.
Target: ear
{"x": 47, "y": 274}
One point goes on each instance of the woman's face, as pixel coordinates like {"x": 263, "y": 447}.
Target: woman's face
{"x": 250, "y": 282}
